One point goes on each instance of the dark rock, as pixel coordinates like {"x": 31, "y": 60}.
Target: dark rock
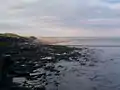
{"x": 56, "y": 83}
{"x": 40, "y": 88}
{"x": 83, "y": 63}
{"x": 49, "y": 67}
{"x": 33, "y": 38}
{"x": 49, "y": 74}
{"x": 19, "y": 88}
{"x": 6, "y": 64}
{"x": 20, "y": 74}
{"x": 91, "y": 64}
{"x": 111, "y": 59}
{"x": 60, "y": 66}
{"x": 57, "y": 74}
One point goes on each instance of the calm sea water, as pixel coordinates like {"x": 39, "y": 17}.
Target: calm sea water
{"x": 105, "y": 75}
{"x": 92, "y": 41}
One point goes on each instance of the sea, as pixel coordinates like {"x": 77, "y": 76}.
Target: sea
{"x": 91, "y": 41}
{"x": 105, "y": 75}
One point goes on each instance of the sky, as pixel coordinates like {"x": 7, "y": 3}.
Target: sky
{"x": 61, "y": 18}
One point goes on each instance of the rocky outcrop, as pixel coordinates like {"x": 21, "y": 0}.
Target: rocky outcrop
{"x": 36, "y": 66}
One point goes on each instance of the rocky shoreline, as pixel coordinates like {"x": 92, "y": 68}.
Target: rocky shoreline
{"x": 36, "y": 66}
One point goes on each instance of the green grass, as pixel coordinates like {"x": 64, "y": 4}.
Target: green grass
{"x": 10, "y": 35}
{"x": 7, "y": 35}
{"x": 4, "y": 44}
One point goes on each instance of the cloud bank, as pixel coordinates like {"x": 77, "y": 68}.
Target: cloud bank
{"x": 99, "y": 18}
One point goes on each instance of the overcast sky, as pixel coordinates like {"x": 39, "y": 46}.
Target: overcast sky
{"x": 61, "y": 17}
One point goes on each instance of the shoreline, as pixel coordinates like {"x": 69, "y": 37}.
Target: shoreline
{"x": 29, "y": 54}
{"x": 38, "y": 66}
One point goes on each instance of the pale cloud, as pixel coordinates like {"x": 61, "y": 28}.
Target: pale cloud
{"x": 115, "y": 6}
{"x": 60, "y": 17}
